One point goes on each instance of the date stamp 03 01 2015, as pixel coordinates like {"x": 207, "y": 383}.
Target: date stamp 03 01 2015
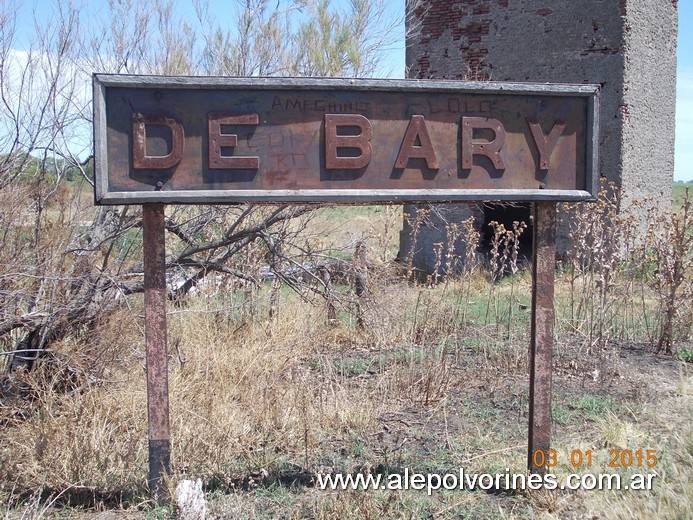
{"x": 618, "y": 458}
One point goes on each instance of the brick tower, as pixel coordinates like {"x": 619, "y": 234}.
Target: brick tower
{"x": 626, "y": 46}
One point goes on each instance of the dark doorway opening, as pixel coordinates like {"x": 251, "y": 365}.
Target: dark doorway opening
{"x": 506, "y": 214}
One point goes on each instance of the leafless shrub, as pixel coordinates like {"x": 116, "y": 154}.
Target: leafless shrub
{"x": 504, "y": 257}
{"x": 65, "y": 264}
{"x": 419, "y": 220}
{"x": 623, "y": 285}
{"x": 668, "y": 255}
{"x": 594, "y": 259}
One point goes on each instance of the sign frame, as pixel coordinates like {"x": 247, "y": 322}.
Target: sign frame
{"x": 103, "y": 196}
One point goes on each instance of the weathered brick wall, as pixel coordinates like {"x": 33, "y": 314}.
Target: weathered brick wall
{"x": 627, "y": 46}
{"x": 648, "y": 105}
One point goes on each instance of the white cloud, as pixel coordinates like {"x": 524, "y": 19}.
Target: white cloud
{"x": 47, "y": 103}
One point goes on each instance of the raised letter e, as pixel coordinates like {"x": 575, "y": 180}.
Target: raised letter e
{"x": 219, "y": 140}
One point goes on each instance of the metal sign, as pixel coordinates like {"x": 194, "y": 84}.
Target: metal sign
{"x": 217, "y": 140}
{"x": 231, "y": 140}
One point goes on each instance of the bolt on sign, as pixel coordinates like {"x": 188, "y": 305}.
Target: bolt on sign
{"x": 232, "y": 140}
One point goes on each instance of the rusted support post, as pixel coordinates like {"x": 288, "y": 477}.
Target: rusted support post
{"x": 541, "y": 341}
{"x": 157, "y": 355}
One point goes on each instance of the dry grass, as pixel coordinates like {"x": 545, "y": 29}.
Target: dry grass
{"x": 434, "y": 380}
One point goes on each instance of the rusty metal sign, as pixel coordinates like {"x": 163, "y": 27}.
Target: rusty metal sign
{"x": 165, "y": 140}
{"x": 231, "y": 140}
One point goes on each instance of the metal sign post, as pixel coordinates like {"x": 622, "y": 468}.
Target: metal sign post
{"x": 157, "y": 353}
{"x": 541, "y": 338}
{"x": 165, "y": 140}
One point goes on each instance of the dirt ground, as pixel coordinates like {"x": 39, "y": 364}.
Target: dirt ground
{"x": 479, "y": 422}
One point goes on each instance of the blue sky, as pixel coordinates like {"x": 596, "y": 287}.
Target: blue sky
{"x": 683, "y": 169}
{"x": 394, "y": 67}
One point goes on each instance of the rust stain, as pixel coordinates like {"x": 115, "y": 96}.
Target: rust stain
{"x": 156, "y": 346}
{"x": 541, "y": 340}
